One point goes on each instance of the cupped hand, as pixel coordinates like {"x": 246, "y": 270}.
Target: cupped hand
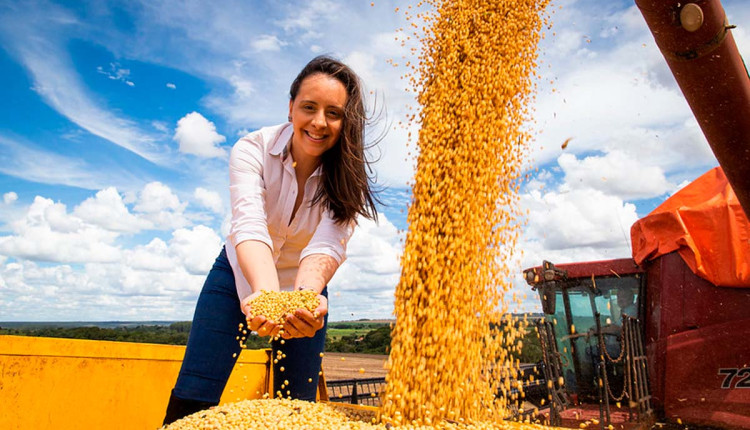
{"x": 303, "y": 323}
{"x": 258, "y": 323}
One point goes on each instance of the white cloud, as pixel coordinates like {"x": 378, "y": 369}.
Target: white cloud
{"x": 267, "y": 42}
{"x": 116, "y": 73}
{"x": 196, "y": 248}
{"x": 96, "y": 273}
{"x": 678, "y": 187}
{"x": 48, "y": 233}
{"x": 107, "y": 210}
{"x": 364, "y": 285}
{"x": 159, "y": 205}
{"x": 226, "y": 224}
{"x": 243, "y": 86}
{"x": 568, "y": 41}
{"x": 171, "y": 86}
{"x": 157, "y": 197}
{"x": 10, "y": 197}
{"x": 196, "y": 135}
{"x": 307, "y": 19}
{"x": 162, "y": 126}
{"x": 209, "y": 199}
{"x": 32, "y": 163}
{"x": 154, "y": 257}
{"x": 99, "y": 291}
{"x": 578, "y": 218}
{"x": 615, "y": 173}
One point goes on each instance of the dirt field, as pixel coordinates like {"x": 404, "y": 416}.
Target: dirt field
{"x": 347, "y": 366}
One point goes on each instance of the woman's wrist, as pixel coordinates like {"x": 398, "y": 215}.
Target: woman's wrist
{"x": 306, "y": 287}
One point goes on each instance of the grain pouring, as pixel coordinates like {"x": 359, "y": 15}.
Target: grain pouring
{"x": 452, "y": 340}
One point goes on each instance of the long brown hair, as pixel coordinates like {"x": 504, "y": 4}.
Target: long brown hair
{"x": 346, "y": 186}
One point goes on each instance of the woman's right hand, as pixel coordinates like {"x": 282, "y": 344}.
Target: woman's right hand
{"x": 258, "y": 323}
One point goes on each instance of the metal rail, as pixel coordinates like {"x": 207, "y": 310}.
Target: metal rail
{"x": 637, "y": 368}
{"x": 364, "y": 391}
{"x": 552, "y": 371}
{"x": 367, "y": 391}
{"x": 635, "y": 382}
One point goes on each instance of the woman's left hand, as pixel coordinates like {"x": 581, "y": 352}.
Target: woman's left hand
{"x": 303, "y": 323}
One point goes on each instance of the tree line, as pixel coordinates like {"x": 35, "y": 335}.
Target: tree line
{"x": 172, "y": 334}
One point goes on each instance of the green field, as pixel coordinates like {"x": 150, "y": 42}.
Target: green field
{"x": 337, "y": 330}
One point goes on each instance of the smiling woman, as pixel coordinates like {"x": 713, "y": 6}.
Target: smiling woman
{"x": 296, "y": 191}
{"x": 316, "y": 113}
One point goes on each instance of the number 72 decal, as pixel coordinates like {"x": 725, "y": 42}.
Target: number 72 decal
{"x": 739, "y": 377}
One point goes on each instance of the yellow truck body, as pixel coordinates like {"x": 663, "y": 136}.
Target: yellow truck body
{"x": 48, "y": 383}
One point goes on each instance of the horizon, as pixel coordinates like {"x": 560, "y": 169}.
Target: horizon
{"x": 160, "y": 322}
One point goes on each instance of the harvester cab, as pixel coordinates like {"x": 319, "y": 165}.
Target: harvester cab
{"x": 589, "y": 332}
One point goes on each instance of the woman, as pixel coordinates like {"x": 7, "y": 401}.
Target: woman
{"x": 296, "y": 190}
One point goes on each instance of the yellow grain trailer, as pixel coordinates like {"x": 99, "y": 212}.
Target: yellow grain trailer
{"x": 60, "y": 384}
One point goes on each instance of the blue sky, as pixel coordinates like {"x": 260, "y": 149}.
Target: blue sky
{"x": 118, "y": 117}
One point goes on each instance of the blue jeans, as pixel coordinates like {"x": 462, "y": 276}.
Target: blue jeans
{"x": 208, "y": 358}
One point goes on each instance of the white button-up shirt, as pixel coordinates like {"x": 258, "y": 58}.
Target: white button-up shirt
{"x": 263, "y": 189}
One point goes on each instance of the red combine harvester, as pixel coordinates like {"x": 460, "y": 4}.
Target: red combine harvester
{"x": 665, "y": 335}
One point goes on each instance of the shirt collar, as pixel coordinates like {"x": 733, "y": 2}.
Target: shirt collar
{"x": 283, "y": 143}
{"x": 283, "y": 147}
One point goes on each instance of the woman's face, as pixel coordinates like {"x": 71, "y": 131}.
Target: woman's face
{"x": 317, "y": 114}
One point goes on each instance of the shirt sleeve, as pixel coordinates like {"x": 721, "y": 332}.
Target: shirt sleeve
{"x": 247, "y": 192}
{"x": 330, "y": 238}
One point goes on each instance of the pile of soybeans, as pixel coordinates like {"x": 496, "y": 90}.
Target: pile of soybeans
{"x": 283, "y": 414}
{"x": 452, "y": 341}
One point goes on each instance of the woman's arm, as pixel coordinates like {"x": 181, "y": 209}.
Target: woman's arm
{"x": 319, "y": 261}
{"x": 256, "y": 261}
{"x": 314, "y": 272}
{"x": 249, "y": 230}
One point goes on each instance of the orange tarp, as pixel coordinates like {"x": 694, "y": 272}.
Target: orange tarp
{"x": 705, "y": 223}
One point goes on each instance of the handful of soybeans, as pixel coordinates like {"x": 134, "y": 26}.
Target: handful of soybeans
{"x": 275, "y": 305}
